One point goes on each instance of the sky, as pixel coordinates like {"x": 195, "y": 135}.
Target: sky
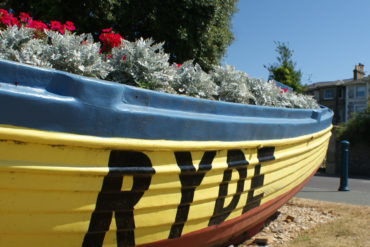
{"x": 328, "y": 37}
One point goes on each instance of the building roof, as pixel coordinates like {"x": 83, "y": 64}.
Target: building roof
{"x": 344, "y": 82}
{"x": 323, "y": 84}
{"x": 359, "y": 81}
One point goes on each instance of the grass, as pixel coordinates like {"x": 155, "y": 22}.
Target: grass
{"x": 351, "y": 228}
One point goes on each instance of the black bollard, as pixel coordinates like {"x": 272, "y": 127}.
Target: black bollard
{"x": 344, "y": 167}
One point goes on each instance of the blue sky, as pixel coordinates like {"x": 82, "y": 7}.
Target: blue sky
{"x": 328, "y": 37}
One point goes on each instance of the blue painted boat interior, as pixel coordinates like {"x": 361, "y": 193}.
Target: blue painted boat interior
{"x": 52, "y": 100}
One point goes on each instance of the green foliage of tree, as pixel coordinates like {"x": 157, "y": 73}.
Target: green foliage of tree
{"x": 284, "y": 70}
{"x": 356, "y": 129}
{"x": 191, "y": 29}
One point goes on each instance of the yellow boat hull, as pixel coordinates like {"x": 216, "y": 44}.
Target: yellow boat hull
{"x": 60, "y": 189}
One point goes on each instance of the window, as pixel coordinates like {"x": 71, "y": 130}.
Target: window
{"x": 340, "y": 117}
{"x": 351, "y": 92}
{"x": 359, "y": 108}
{"x": 351, "y": 109}
{"x": 340, "y": 93}
{"x": 316, "y": 95}
{"x": 360, "y": 91}
{"x": 329, "y": 93}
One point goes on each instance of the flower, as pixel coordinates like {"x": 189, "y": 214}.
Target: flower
{"x": 109, "y": 40}
{"x": 283, "y": 90}
{"x": 56, "y": 26}
{"x": 37, "y": 25}
{"x": 108, "y": 30}
{"x": 4, "y": 18}
{"x": 14, "y": 20}
{"x": 3, "y": 13}
{"x": 24, "y": 17}
{"x": 7, "y": 19}
{"x": 70, "y": 26}
{"x": 61, "y": 28}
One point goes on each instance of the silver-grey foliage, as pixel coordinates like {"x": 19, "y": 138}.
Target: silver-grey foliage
{"x": 193, "y": 81}
{"x": 76, "y": 54}
{"x": 145, "y": 64}
{"x": 69, "y": 52}
{"x": 233, "y": 85}
{"x": 19, "y": 45}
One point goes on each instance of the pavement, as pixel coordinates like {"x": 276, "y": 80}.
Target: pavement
{"x": 325, "y": 188}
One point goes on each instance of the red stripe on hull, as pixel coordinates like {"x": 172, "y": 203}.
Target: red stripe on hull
{"x": 229, "y": 231}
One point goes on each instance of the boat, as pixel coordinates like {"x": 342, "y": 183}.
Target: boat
{"x": 86, "y": 162}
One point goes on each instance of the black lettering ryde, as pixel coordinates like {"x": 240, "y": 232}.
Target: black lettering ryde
{"x": 263, "y": 155}
{"x": 235, "y": 160}
{"x": 112, "y": 200}
{"x": 190, "y": 180}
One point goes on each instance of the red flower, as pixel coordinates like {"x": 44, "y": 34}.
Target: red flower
{"x": 69, "y": 26}
{"x": 24, "y": 17}
{"x": 5, "y": 18}
{"x": 55, "y": 25}
{"x": 108, "y": 30}
{"x": 37, "y": 25}
{"x": 178, "y": 65}
{"x": 14, "y": 20}
{"x": 3, "y": 13}
{"x": 123, "y": 58}
{"x": 109, "y": 40}
{"x": 283, "y": 90}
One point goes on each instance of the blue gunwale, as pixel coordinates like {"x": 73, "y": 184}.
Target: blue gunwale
{"x": 52, "y": 100}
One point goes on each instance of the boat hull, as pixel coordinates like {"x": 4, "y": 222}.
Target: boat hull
{"x": 90, "y": 163}
{"x": 240, "y": 228}
{"x": 70, "y": 190}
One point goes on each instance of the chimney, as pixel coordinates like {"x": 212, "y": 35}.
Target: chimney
{"x": 358, "y": 72}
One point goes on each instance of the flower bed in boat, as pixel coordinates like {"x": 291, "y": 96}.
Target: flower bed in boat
{"x": 140, "y": 63}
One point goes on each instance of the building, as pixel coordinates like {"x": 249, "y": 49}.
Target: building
{"x": 332, "y": 95}
{"x": 357, "y": 92}
{"x": 344, "y": 97}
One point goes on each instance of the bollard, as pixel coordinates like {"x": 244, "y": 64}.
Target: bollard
{"x": 344, "y": 167}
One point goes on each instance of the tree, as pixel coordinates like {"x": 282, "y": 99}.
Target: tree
{"x": 284, "y": 70}
{"x": 356, "y": 129}
{"x": 191, "y": 29}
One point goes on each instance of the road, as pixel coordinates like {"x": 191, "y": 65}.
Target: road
{"x": 325, "y": 188}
